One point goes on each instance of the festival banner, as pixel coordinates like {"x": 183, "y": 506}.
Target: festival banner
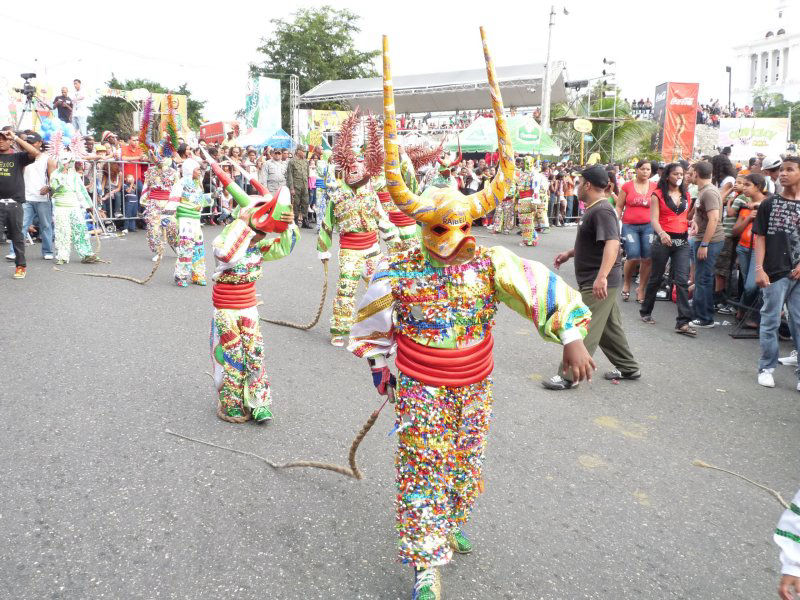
{"x": 749, "y": 137}
{"x": 262, "y": 105}
{"x": 680, "y": 117}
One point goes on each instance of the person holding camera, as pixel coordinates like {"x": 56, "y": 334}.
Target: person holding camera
{"x": 63, "y": 105}
{"x": 12, "y": 191}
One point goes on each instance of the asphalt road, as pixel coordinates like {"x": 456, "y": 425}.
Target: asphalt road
{"x": 590, "y": 493}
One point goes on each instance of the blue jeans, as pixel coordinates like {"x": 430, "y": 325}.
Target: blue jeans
{"x": 131, "y": 212}
{"x": 703, "y": 302}
{"x": 786, "y": 291}
{"x": 747, "y": 268}
{"x": 79, "y": 123}
{"x": 43, "y": 210}
{"x": 637, "y": 240}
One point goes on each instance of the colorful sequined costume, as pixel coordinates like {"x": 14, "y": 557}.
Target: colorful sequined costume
{"x": 434, "y": 307}
{"x": 504, "y": 214}
{"x": 438, "y": 319}
{"x": 159, "y": 180}
{"x": 787, "y": 536}
{"x": 407, "y": 237}
{"x": 359, "y": 218}
{"x": 526, "y": 207}
{"x": 191, "y": 262}
{"x": 70, "y": 201}
{"x": 237, "y": 348}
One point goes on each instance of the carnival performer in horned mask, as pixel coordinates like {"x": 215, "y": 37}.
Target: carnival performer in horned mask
{"x": 354, "y": 209}
{"x": 434, "y": 307}
{"x": 237, "y": 348}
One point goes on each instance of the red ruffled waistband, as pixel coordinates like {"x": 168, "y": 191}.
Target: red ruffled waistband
{"x": 228, "y": 295}
{"x": 156, "y": 194}
{"x": 358, "y": 241}
{"x": 526, "y": 194}
{"x": 444, "y": 367}
{"x": 400, "y": 218}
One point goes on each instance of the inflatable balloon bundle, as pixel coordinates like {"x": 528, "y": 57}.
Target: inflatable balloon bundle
{"x": 49, "y": 126}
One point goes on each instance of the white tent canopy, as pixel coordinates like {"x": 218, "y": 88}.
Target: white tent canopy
{"x": 520, "y": 85}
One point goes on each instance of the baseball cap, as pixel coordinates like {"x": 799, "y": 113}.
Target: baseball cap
{"x": 596, "y": 175}
{"x": 771, "y": 162}
{"x": 33, "y": 137}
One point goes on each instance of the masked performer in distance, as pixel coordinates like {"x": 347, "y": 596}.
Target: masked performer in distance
{"x": 188, "y": 191}
{"x": 355, "y": 210}
{"x": 237, "y": 348}
{"x": 159, "y": 180}
{"x": 434, "y": 306}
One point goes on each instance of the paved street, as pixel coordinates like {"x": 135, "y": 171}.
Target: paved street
{"x": 590, "y": 493}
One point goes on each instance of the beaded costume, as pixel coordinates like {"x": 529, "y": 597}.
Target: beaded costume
{"x": 434, "y": 307}
{"x": 237, "y": 348}
{"x": 70, "y": 201}
{"x": 158, "y": 210}
{"x": 354, "y": 209}
{"x": 191, "y": 262}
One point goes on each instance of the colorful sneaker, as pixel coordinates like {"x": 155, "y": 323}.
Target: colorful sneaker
{"x": 90, "y": 259}
{"x": 19, "y": 273}
{"x": 60, "y": 261}
{"x": 459, "y": 542}
{"x": 262, "y": 414}
{"x": 337, "y": 340}
{"x": 427, "y": 584}
{"x": 234, "y": 411}
{"x": 181, "y": 283}
{"x": 198, "y": 281}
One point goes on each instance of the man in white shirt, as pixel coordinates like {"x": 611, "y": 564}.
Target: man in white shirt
{"x": 80, "y": 108}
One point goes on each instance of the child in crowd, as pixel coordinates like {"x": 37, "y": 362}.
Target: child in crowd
{"x": 131, "y": 202}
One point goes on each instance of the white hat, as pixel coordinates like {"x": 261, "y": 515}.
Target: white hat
{"x": 188, "y": 167}
{"x": 771, "y": 162}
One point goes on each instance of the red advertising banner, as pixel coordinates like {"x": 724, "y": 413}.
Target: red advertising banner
{"x": 680, "y": 117}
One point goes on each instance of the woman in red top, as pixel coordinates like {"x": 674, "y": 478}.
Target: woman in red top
{"x": 754, "y": 188}
{"x": 633, "y": 207}
{"x": 669, "y": 209}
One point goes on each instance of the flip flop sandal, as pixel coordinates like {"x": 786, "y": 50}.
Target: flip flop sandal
{"x": 626, "y": 296}
{"x": 649, "y": 320}
{"x": 686, "y": 330}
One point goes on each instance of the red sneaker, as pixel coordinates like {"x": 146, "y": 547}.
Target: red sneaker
{"x": 19, "y": 273}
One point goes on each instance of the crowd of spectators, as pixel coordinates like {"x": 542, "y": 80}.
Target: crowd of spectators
{"x": 711, "y": 112}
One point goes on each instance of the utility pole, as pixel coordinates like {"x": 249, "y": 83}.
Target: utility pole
{"x": 729, "y": 70}
{"x": 546, "y": 78}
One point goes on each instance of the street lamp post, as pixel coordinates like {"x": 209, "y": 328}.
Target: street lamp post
{"x": 547, "y": 69}
{"x": 728, "y": 70}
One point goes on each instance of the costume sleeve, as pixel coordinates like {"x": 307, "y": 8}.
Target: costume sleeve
{"x": 388, "y": 231}
{"x": 787, "y": 536}
{"x": 82, "y": 193}
{"x": 279, "y": 247}
{"x": 326, "y": 228}
{"x": 539, "y": 295}
{"x": 231, "y": 245}
{"x": 372, "y": 334}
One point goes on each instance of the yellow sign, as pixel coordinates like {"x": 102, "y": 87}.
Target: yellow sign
{"x": 582, "y": 125}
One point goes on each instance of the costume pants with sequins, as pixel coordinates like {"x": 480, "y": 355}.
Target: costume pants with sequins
{"x": 237, "y": 353}
{"x": 540, "y": 216}
{"x": 529, "y": 235}
{"x": 354, "y": 265}
{"x": 442, "y": 435}
{"x": 152, "y": 219}
{"x": 70, "y": 230}
{"x": 504, "y": 217}
{"x": 191, "y": 252}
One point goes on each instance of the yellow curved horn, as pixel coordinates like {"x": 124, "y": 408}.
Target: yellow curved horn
{"x": 487, "y": 199}
{"x": 409, "y": 203}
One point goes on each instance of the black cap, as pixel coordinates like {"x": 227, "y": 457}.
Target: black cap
{"x": 33, "y": 137}
{"x": 596, "y": 175}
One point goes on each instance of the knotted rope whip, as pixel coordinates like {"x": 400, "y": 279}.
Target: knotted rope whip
{"x": 319, "y": 308}
{"x": 775, "y": 493}
{"x": 351, "y": 471}
{"x": 124, "y": 277}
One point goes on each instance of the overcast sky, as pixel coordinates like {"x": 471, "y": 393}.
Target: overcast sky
{"x": 677, "y": 40}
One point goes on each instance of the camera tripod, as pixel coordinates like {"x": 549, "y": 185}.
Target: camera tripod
{"x": 29, "y": 108}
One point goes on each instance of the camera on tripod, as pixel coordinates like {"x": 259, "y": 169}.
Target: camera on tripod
{"x": 27, "y": 89}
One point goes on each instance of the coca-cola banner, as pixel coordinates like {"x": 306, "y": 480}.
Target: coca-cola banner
{"x": 675, "y": 109}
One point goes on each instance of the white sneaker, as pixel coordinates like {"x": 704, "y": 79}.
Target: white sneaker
{"x": 48, "y": 257}
{"x": 765, "y": 378}
{"x": 699, "y": 323}
{"x": 789, "y": 361}
{"x": 155, "y": 258}
{"x": 10, "y": 257}
{"x": 798, "y": 386}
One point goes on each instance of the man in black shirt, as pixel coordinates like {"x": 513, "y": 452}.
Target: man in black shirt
{"x": 598, "y": 270}
{"x": 12, "y": 191}
{"x": 776, "y": 241}
{"x": 63, "y": 104}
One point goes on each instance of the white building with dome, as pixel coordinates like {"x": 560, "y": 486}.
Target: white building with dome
{"x": 772, "y": 61}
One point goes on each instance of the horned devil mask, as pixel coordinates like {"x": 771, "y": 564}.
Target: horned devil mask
{"x": 445, "y": 214}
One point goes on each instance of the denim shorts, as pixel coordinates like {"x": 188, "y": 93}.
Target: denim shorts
{"x": 636, "y": 239}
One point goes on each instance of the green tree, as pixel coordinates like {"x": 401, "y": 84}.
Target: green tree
{"x": 781, "y": 108}
{"x": 316, "y": 45}
{"x": 116, "y": 114}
